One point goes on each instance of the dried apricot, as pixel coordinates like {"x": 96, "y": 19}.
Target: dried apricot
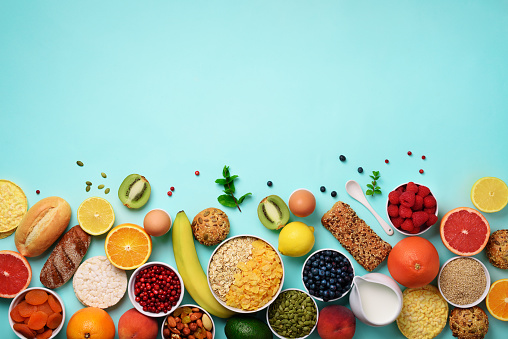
{"x": 45, "y": 308}
{"x": 37, "y": 320}
{"x": 25, "y": 309}
{"x": 54, "y": 304}
{"x": 36, "y": 297}
{"x": 15, "y": 316}
{"x": 45, "y": 335}
{"x": 24, "y": 330}
{"x": 54, "y": 320}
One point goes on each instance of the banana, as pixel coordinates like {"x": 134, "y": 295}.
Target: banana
{"x": 193, "y": 276}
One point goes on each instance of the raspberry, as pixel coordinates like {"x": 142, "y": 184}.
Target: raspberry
{"x": 407, "y": 199}
{"x": 429, "y": 201}
{"x": 423, "y": 191}
{"x": 407, "y": 225}
{"x": 412, "y": 187}
{"x": 418, "y": 206}
{"x": 397, "y": 221}
{"x": 405, "y": 212}
{"x": 432, "y": 220}
{"x": 400, "y": 189}
{"x": 419, "y": 218}
{"x": 393, "y": 197}
{"x": 393, "y": 210}
{"x": 430, "y": 210}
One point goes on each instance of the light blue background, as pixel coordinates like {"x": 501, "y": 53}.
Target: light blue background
{"x": 277, "y": 90}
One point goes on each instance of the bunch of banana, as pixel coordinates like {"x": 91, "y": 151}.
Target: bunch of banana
{"x": 193, "y": 276}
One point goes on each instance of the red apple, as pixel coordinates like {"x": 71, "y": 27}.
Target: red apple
{"x": 336, "y": 322}
{"x": 135, "y": 325}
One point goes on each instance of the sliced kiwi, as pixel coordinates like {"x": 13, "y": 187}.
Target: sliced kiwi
{"x": 134, "y": 191}
{"x": 273, "y": 212}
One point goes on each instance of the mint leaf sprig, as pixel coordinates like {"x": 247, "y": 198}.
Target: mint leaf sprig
{"x": 228, "y": 199}
{"x": 373, "y": 187}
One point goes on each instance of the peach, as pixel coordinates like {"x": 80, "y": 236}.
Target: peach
{"x": 336, "y": 322}
{"x": 135, "y": 325}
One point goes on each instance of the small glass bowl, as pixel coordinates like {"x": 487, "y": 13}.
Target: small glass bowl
{"x": 487, "y": 284}
{"x": 328, "y": 277}
{"x": 20, "y": 297}
{"x": 131, "y": 288}
{"x": 313, "y": 327}
{"x": 191, "y": 306}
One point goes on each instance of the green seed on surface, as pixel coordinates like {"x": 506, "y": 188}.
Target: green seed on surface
{"x": 80, "y": 163}
{"x": 88, "y": 183}
{"x": 101, "y": 186}
{"x": 87, "y": 188}
{"x": 103, "y": 175}
{"x": 106, "y": 191}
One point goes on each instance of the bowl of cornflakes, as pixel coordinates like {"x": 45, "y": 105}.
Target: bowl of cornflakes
{"x": 245, "y": 273}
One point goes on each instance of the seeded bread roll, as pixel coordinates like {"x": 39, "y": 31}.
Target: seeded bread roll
{"x": 65, "y": 258}
{"x": 210, "y": 226}
{"x": 366, "y": 247}
{"x": 469, "y": 323}
{"x": 497, "y": 249}
{"x": 42, "y": 225}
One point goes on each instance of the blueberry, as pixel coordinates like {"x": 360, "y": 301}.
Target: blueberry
{"x": 332, "y": 281}
{"x": 326, "y": 294}
{"x": 340, "y": 281}
{"x": 342, "y": 158}
{"x": 322, "y": 273}
{"x": 332, "y": 295}
{"x": 329, "y": 266}
{"x": 321, "y": 262}
{"x": 333, "y": 194}
{"x": 333, "y": 287}
{"x": 315, "y": 271}
{"x": 327, "y": 258}
{"x": 315, "y": 264}
{"x": 347, "y": 278}
{"x": 360, "y": 170}
{"x": 323, "y": 283}
{"x": 322, "y": 188}
{"x": 269, "y": 183}
{"x": 328, "y": 253}
{"x": 312, "y": 292}
{"x": 305, "y": 278}
{"x": 312, "y": 286}
{"x": 327, "y": 273}
{"x": 350, "y": 269}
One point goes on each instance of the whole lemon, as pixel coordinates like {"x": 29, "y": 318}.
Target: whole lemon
{"x": 296, "y": 239}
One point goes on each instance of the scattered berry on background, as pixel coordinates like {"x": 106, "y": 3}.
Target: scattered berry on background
{"x": 333, "y": 194}
{"x": 360, "y": 170}
{"x": 38, "y": 192}
{"x": 170, "y": 193}
{"x": 269, "y": 183}
{"x": 342, "y": 158}
{"x": 424, "y": 157}
{"x": 172, "y": 188}
{"x": 322, "y": 188}
{"x": 421, "y": 171}
{"x": 387, "y": 161}
{"x": 196, "y": 173}
{"x": 409, "y": 153}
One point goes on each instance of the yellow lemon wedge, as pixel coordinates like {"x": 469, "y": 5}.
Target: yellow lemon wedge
{"x": 296, "y": 239}
{"x": 489, "y": 194}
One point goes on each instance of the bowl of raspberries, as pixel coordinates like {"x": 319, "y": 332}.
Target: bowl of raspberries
{"x": 411, "y": 208}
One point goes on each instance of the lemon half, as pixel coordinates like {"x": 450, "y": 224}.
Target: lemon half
{"x": 489, "y": 194}
{"x": 96, "y": 216}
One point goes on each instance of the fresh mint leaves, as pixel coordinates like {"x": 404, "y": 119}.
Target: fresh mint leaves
{"x": 228, "y": 199}
{"x": 373, "y": 187}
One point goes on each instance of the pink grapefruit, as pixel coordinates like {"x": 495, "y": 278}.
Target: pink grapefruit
{"x": 464, "y": 231}
{"x": 15, "y": 273}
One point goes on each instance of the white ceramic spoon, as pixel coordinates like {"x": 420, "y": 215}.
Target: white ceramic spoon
{"x": 355, "y": 191}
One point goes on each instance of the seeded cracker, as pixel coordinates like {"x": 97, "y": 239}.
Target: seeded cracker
{"x": 366, "y": 247}
{"x": 97, "y": 283}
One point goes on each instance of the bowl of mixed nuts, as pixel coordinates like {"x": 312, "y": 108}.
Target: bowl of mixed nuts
{"x": 245, "y": 273}
{"x": 188, "y": 321}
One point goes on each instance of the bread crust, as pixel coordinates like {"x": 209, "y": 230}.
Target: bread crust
{"x": 65, "y": 258}
{"x": 42, "y": 225}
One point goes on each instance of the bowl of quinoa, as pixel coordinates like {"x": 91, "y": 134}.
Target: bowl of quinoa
{"x": 245, "y": 273}
{"x": 464, "y": 281}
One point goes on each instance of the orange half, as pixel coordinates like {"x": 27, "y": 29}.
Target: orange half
{"x": 128, "y": 246}
{"x": 497, "y": 300}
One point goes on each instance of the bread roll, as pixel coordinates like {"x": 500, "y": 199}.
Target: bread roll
{"x": 42, "y": 225}
{"x": 65, "y": 258}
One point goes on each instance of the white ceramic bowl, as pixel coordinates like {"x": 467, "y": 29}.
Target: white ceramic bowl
{"x": 317, "y": 253}
{"x": 401, "y": 231}
{"x": 234, "y": 309}
{"x": 487, "y": 285}
{"x": 191, "y": 306}
{"x": 21, "y": 296}
{"x": 132, "y": 296}
{"x": 315, "y": 305}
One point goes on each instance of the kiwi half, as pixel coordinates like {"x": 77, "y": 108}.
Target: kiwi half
{"x": 273, "y": 212}
{"x": 134, "y": 191}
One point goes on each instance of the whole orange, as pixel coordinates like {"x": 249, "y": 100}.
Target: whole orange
{"x": 413, "y": 262}
{"x": 91, "y": 323}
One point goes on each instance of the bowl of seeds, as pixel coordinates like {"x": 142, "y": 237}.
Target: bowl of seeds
{"x": 293, "y": 314}
{"x": 245, "y": 273}
{"x": 464, "y": 281}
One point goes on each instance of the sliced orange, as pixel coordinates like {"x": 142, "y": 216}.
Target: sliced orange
{"x": 497, "y": 300}
{"x": 128, "y": 246}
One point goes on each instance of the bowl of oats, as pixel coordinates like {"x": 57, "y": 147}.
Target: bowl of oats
{"x": 245, "y": 273}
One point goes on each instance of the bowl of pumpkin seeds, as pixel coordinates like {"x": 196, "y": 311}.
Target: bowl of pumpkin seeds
{"x": 293, "y": 314}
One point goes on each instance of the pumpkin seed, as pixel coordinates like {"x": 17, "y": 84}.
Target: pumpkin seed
{"x": 87, "y": 188}
{"x": 80, "y": 163}
{"x": 88, "y": 183}
{"x": 101, "y": 186}
{"x": 103, "y": 175}
{"x": 106, "y": 191}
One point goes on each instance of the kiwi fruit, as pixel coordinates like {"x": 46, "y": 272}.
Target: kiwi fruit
{"x": 273, "y": 212}
{"x": 134, "y": 191}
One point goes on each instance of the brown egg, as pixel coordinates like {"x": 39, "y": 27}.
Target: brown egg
{"x": 302, "y": 203}
{"x": 157, "y": 222}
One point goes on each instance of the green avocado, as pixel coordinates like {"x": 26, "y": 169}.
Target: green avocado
{"x": 245, "y": 327}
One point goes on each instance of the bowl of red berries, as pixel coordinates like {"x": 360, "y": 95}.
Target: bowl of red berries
{"x": 411, "y": 208}
{"x": 155, "y": 289}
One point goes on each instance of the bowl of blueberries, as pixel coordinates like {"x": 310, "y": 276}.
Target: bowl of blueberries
{"x": 327, "y": 274}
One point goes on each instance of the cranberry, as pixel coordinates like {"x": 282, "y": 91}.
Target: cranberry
{"x": 409, "y": 153}
{"x": 170, "y": 193}
{"x": 196, "y": 173}
{"x": 423, "y": 157}
{"x": 387, "y": 161}
{"x": 157, "y": 289}
{"x": 172, "y": 188}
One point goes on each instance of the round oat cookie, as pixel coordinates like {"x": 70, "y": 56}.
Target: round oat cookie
{"x": 424, "y": 313}
{"x": 469, "y": 323}
{"x": 13, "y": 207}
{"x": 97, "y": 283}
{"x": 497, "y": 249}
{"x": 210, "y": 226}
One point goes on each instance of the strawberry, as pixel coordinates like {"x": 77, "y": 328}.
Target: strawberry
{"x": 393, "y": 197}
{"x": 423, "y": 191}
{"x": 429, "y": 201}
{"x": 419, "y": 218}
{"x": 405, "y": 212}
{"x": 411, "y": 187}
{"x": 407, "y": 199}
{"x": 393, "y": 210}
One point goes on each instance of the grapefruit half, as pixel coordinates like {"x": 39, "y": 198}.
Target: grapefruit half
{"x": 464, "y": 231}
{"x": 15, "y": 273}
